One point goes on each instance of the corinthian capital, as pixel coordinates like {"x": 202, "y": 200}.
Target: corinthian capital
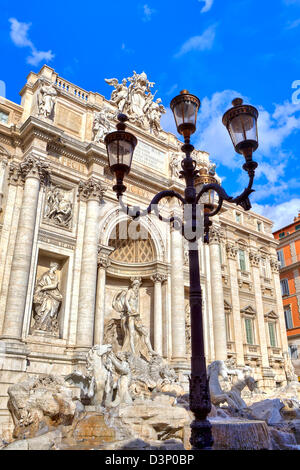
{"x": 103, "y": 261}
{"x": 91, "y": 189}
{"x": 275, "y": 265}
{"x": 231, "y": 250}
{"x": 254, "y": 258}
{"x": 158, "y": 278}
{"x": 33, "y": 167}
{"x": 215, "y": 234}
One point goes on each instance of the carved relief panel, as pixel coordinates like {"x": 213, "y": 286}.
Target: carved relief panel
{"x": 58, "y": 207}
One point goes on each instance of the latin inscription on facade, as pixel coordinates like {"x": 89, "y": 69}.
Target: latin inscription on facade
{"x": 150, "y": 156}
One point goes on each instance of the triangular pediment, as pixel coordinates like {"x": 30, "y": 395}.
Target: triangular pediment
{"x": 227, "y": 306}
{"x": 249, "y": 310}
{"x": 271, "y": 315}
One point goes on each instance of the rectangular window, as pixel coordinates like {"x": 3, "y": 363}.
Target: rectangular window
{"x": 293, "y": 350}
{"x": 238, "y": 217}
{"x": 242, "y": 260}
{"x": 259, "y": 226}
{"x": 284, "y": 283}
{"x": 297, "y": 227}
{"x": 272, "y": 334}
{"x": 249, "y": 330}
{"x": 227, "y": 324}
{"x": 3, "y": 117}
{"x": 288, "y": 317}
{"x": 282, "y": 235}
{"x": 280, "y": 257}
{"x": 263, "y": 266}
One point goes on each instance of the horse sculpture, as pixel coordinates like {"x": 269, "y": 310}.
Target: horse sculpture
{"x": 233, "y": 396}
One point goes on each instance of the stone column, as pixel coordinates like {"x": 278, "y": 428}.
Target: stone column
{"x": 3, "y": 164}
{"x": 103, "y": 264}
{"x": 92, "y": 192}
{"x": 232, "y": 250}
{"x": 177, "y": 297}
{"x": 32, "y": 172}
{"x": 254, "y": 258}
{"x": 275, "y": 267}
{"x": 158, "y": 279}
{"x": 219, "y": 325}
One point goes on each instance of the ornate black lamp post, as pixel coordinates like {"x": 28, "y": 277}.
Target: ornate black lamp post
{"x": 241, "y": 123}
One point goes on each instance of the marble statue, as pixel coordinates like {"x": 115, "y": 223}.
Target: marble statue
{"x": 233, "y": 396}
{"x": 58, "y": 207}
{"x": 101, "y": 124}
{"x": 46, "y": 100}
{"x": 135, "y": 335}
{"x": 175, "y": 165}
{"x": 137, "y": 101}
{"x": 46, "y": 301}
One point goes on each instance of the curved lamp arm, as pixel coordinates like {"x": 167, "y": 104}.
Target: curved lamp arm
{"x": 135, "y": 212}
{"x": 241, "y": 200}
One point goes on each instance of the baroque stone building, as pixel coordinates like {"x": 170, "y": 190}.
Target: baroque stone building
{"x": 64, "y": 260}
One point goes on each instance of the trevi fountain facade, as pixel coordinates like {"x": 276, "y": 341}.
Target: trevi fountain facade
{"x": 94, "y": 314}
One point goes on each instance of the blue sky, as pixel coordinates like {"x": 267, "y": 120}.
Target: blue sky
{"x": 216, "y": 49}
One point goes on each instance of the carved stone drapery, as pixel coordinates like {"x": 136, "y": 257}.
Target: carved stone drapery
{"x": 231, "y": 250}
{"x": 91, "y": 189}
{"x": 58, "y": 207}
{"x": 137, "y": 101}
{"x": 47, "y": 300}
{"x": 46, "y": 99}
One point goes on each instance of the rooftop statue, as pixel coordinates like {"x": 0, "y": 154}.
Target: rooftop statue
{"x": 137, "y": 101}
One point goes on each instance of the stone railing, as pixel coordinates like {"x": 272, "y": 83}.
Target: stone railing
{"x": 72, "y": 89}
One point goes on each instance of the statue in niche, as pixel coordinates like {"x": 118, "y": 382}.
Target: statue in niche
{"x": 101, "y": 124}
{"x": 46, "y": 301}
{"x": 58, "y": 207}
{"x": 135, "y": 335}
{"x": 46, "y": 100}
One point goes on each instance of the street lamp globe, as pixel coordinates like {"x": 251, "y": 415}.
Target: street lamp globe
{"x": 241, "y": 123}
{"x": 185, "y": 108}
{"x": 120, "y": 146}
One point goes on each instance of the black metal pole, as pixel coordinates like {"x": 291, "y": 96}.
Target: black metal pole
{"x": 200, "y": 405}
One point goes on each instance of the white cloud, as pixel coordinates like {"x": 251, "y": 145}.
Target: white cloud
{"x": 293, "y": 24}
{"x": 273, "y": 129}
{"x": 281, "y": 214}
{"x": 198, "y": 43}
{"x": 207, "y": 5}
{"x": 19, "y": 36}
{"x": 148, "y": 12}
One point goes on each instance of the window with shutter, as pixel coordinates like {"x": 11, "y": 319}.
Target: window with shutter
{"x": 249, "y": 330}
{"x": 272, "y": 334}
{"x": 284, "y": 283}
{"x": 242, "y": 260}
{"x": 288, "y": 318}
